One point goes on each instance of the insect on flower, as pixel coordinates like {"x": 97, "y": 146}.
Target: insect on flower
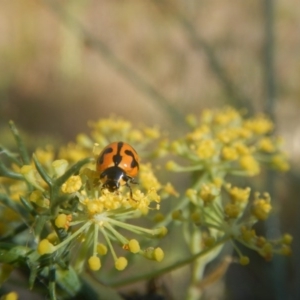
{"x": 118, "y": 164}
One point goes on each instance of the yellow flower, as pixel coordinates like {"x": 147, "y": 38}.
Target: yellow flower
{"x": 73, "y": 152}
{"x": 247, "y": 234}
{"x": 154, "y": 253}
{"x": 45, "y": 247}
{"x": 229, "y": 153}
{"x": 198, "y": 134}
{"x": 63, "y": 221}
{"x": 101, "y": 249}
{"x": 152, "y": 133}
{"x": 209, "y": 192}
{"x": 147, "y": 178}
{"x": 206, "y": 149}
{"x": 121, "y": 263}
{"x": 59, "y": 166}
{"x": 238, "y": 194}
{"x": 261, "y": 207}
{"x": 280, "y": 163}
{"x": 287, "y": 239}
{"x": 226, "y": 116}
{"x": 241, "y": 148}
{"x": 249, "y": 164}
{"x": 232, "y": 210}
{"x": 259, "y": 125}
{"x": 134, "y": 246}
{"x": 72, "y": 185}
{"x": 244, "y": 260}
{"x": 266, "y": 145}
{"x": 45, "y": 157}
{"x": 94, "y": 263}
{"x": 10, "y": 296}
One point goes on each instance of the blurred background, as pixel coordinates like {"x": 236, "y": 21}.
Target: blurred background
{"x": 66, "y": 62}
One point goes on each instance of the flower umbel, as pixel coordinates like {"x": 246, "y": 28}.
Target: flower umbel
{"x": 60, "y": 217}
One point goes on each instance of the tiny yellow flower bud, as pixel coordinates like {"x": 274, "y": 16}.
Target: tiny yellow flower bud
{"x": 191, "y": 194}
{"x": 266, "y": 145}
{"x": 152, "y": 133}
{"x": 261, "y": 208}
{"x": 134, "y": 246}
{"x": 94, "y": 263}
{"x": 60, "y": 166}
{"x": 196, "y": 217}
{"x": 45, "y": 247}
{"x": 267, "y": 251}
{"x": 287, "y": 239}
{"x": 62, "y": 221}
{"x": 36, "y": 195}
{"x": 280, "y": 163}
{"x": 229, "y": 153}
{"x": 247, "y": 234}
{"x": 177, "y": 215}
{"x": 158, "y": 254}
{"x": 260, "y": 241}
{"x": 101, "y": 249}
{"x": 249, "y": 164}
{"x": 242, "y": 149}
{"x": 238, "y": 194}
{"x": 121, "y": 263}
{"x": 72, "y": 185}
{"x": 160, "y": 231}
{"x": 209, "y": 192}
{"x": 159, "y": 217}
{"x": 10, "y": 296}
{"x": 232, "y": 210}
{"x": 171, "y": 166}
{"x": 206, "y": 149}
{"x": 52, "y": 237}
{"x": 259, "y": 125}
{"x": 244, "y": 260}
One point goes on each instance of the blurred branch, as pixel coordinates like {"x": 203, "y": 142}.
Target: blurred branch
{"x": 235, "y": 97}
{"x": 278, "y": 266}
{"x": 270, "y": 83}
{"x": 125, "y": 70}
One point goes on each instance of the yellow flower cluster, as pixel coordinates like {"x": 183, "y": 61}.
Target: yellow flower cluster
{"x": 229, "y": 218}
{"x": 224, "y": 140}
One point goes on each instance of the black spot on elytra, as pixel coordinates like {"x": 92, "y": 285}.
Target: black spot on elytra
{"x": 101, "y": 158}
{"x": 117, "y": 158}
{"x": 134, "y": 163}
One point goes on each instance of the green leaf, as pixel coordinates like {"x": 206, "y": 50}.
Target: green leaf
{"x": 68, "y": 280}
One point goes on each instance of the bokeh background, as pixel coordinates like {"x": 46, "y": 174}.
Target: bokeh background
{"x": 153, "y": 62}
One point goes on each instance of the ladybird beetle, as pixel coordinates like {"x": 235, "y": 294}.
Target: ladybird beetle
{"x": 118, "y": 164}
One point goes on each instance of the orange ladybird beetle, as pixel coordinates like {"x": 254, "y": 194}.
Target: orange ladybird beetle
{"x": 118, "y": 164}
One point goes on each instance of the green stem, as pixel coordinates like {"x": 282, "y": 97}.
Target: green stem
{"x": 72, "y": 236}
{"x": 95, "y": 239}
{"x": 110, "y": 246}
{"x": 119, "y": 237}
{"x": 131, "y": 227}
{"x": 42, "y": 171}
{"x": 23, "y": 151}
{"x": 72, "y": 170}
{"x": 4, "y": 172}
